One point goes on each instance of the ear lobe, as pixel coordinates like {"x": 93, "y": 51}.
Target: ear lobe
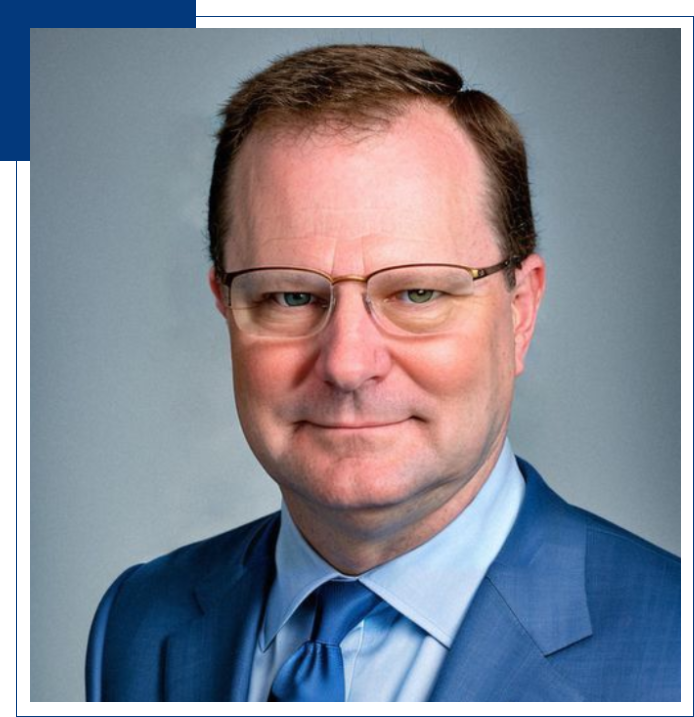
{"x": 527, "y": 296}
{"x": 216, "y": 289}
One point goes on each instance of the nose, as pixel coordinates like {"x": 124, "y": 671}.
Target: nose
{"x": 353, "y": 350}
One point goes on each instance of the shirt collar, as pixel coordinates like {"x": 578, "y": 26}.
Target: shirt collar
{"x": 418, "y": 584}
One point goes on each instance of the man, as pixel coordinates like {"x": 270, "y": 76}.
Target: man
{"x": 374, "y": 259}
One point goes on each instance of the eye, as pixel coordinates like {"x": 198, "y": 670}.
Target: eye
{"x": 294, "y": 298}
{"x": 420, "y": 296}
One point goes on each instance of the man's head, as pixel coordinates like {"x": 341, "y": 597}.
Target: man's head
{"x": 347, "y": 161}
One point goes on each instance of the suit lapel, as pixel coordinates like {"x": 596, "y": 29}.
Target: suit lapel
{"x": 531, "y": 604}
{"x": 493, "y": 659}
{"x": 210, "y": 659}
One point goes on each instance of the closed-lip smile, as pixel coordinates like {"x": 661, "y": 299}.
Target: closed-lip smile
{"x": 356, "y": 426}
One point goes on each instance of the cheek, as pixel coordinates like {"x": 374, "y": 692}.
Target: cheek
{"x": 468, "y": 381}
{"x": 455, "y": 366}
{"x": 264, "y": 374}
{"x": 259, "y": 385}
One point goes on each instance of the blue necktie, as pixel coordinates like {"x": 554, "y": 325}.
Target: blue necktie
{"x": 315, "y": 672}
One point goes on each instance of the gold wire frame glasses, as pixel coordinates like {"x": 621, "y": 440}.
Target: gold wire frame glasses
{"x": 409, "y": 299}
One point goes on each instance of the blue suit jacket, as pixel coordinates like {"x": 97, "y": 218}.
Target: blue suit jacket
{"x": 572, "y": 609}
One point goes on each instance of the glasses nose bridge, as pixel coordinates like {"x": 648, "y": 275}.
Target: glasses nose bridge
{"x": 349, "y": 277}
{"x": 334, "y": 280}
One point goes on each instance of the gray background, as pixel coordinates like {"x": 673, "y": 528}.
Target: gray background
{"x": 135, "y": 444}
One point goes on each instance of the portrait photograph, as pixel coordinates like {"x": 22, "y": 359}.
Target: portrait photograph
{"x": 355, "y": 365}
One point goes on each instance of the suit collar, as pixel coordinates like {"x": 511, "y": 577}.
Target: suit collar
{"x": 531, "y": 604}
{"x": 210, "y": 659}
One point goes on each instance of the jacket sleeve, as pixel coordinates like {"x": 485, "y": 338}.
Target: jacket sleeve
{"x": 97, "y": 639}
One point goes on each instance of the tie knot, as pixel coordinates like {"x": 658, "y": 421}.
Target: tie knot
{"x": 340, "y": 605}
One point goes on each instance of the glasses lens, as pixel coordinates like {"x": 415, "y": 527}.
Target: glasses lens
{"x": 422, "y": 299}
{"x": 280, "y": 302}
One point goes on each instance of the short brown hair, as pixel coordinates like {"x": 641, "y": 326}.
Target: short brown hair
{"x": 363, "y": 86}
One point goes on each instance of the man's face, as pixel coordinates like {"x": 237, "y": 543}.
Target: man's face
{"x": 353, "y": 418}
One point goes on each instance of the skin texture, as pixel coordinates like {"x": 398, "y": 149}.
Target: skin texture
{"x": 376, "y": 441}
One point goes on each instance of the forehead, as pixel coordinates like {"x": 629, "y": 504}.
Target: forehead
{"x": 415, "y": 191}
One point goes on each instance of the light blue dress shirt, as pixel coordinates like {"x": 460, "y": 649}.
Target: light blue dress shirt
{"x": 395, "y": 653}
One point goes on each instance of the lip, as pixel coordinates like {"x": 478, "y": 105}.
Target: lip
{"x": 355, "y": 426}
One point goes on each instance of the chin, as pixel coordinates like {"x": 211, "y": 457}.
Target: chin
{"x": 357, "y": 485}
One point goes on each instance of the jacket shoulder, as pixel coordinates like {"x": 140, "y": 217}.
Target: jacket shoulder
{"x": 162, "y": 589}
{"x": 189, "y": 564}
{"x": 626, "y": 558}
{"x": 609, "y": 547}
{"x": 633, "y": 593}
{"x": 150, "y": 601}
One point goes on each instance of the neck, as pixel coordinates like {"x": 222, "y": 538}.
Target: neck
{"x": 354, "y": 541}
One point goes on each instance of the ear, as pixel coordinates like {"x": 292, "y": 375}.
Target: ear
{"x": 527, "y": 295}
{"x": 216, "y": 288}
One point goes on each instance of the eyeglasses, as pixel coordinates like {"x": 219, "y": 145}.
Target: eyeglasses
{"x": 286, "y": 302}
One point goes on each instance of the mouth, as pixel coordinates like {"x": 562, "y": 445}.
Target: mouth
{"x": 366, "y": 426}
